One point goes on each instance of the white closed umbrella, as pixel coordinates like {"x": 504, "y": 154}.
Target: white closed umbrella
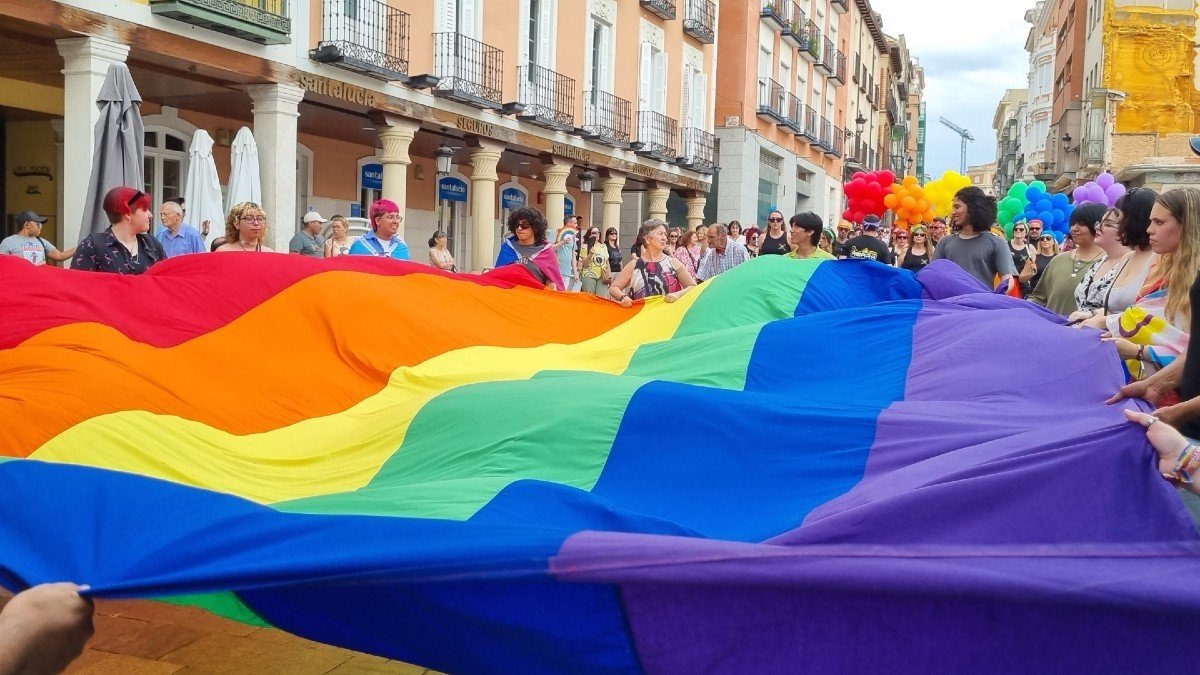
{"x": 245, "y": 182}
{"x": 202, "y": 194}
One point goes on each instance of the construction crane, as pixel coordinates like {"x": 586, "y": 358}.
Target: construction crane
{"x": 966, "y": 136}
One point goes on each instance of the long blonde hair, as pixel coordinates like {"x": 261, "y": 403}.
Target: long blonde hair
{"x": 232, "y": 235}
{"x": 1179, "y": 268}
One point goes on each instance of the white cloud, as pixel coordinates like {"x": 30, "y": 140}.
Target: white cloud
{"x": 971, "y": 52}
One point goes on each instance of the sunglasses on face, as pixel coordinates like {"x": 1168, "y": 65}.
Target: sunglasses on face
{"x": 774, "y": 219}
{"x": 522, "y": 226}
{"x": 1047, "y": 238}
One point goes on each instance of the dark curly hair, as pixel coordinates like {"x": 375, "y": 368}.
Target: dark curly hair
{"x": 981, "y": 209}
{"x": 531, "y": 216}
{"x": 1135, "y": 208}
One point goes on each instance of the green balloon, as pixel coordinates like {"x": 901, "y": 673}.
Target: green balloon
{"x": 1005, "y": 218}
{"x": 1008, "y": 228}
{"x": 1018, "y": 190}
{"x": 1039, "y": 185}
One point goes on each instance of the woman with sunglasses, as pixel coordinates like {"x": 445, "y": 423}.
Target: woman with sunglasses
{"x": 1055, "y": 290}
{"x": 1091, "y": 295}
{"x": 245, "y": 229}
{"x": 751, "y": 237}
{"x": 126, "y": 247}
{"x": 775, "y": 240}
{"x": 912, "y": 249}
{"x": 1022, "y": 250}
{"x": 594, "y": 272}
{"x": 612, "y": 240}
{"x": 527, "y": 246}
{"x": 1045, "y": 251}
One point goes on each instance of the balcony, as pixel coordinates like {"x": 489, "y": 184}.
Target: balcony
{"x": 811, "y": 129}
{"x": 606, "y": 118}
{"x": 826, "y": 136}
{"x": 699, "y": 150}
{"x": 812, "y": 51}
{"x": 468, "y": 70}
{"x": 701, "y": 20}
{"x": 368, "y": 37}
{"x": 658, "y": 136}
{"x": 266, "y": 22}
{"x": 1093, "y": 153}
{"x": 794, "y": 32}
{"x": 664, "y": 9}
{"x": 838, "y": 78}
{"x": 893, "y": 109}
{"x": 795, "y": 114}
{"x": 775, "y": 13}
{"x": 840, "y": 6}
{"x": 771, "y": 100}
{"x": 839, "y": 142}
{"x": 828, "y": 57}
{"x": 548, "y": 97}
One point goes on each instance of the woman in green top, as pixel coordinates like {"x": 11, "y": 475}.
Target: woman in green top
{"x": 1055, "y": 289}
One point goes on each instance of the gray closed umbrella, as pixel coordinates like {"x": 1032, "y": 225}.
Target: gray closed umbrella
{"x": 120, "y": 145}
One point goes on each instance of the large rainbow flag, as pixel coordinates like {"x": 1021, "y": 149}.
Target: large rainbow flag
{"x": 801, "y": 466}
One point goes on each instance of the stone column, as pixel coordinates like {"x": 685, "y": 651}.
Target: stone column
{"x": 611, "y": 187}
{"x": 276, "y": 111}
{"x": 657, "y": 198}
{"x": 396, "y": 135}
{"x": 556, "y": 191}
{"x": 86, "y": 62}
{"x": 695, "y": 210}
{"x": 484, "y": 159}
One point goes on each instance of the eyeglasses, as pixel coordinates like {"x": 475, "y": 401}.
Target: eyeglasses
{"x": 901, "y": 236}
{"x": 522, "y": 226}
{"x": 774, "y": 220}
{"x": 1047, "y": 238}
{"x": 1110, "y": 222}
{"x": 919, "y": 234}
{"x": 254, "y": 219}
{"x": 1018, "y": 229}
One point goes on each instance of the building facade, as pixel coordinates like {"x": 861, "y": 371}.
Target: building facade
{"x": 902, "y": 84}
{"x": 781, "y": 103}
{"x": 597, "y": 107}
{"x": 1036, "y": 118}
{"x": 864, "y": 115}
{"x": 1007, "y": 123}
{"x": 983, "y": 176}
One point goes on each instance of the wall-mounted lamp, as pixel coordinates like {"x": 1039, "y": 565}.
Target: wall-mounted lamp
{"x": 586, "y": 181}
{"x": 1066, "y": 141}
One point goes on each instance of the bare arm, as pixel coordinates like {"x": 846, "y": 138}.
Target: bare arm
{"x": 61, "y": 256}
{"x": 44, "y": 628}
{"x": 617, "y": 289}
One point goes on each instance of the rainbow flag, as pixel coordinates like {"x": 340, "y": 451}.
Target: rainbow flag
{"x": 821, "y": 466}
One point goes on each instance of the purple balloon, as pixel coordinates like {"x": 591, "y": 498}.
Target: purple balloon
{"x": 1096, "y": 194}
{"x": 1114, "y": 192}
{"x": 1105, "y": 180}
{"x": 1079, "y": 194}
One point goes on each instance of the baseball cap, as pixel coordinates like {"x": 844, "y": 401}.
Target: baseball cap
{"x": 312, "y": 217}
{"x": 871, "y": 222}
{"x": 27, "y": 215}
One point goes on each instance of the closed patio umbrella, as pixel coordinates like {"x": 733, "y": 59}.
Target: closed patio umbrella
{"x": 245, "y": 182}
{"x": 119, "y": 145}
{"x": 203, "y": 190}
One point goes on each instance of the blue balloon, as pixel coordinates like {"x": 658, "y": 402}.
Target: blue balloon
{"x": 1059, "y": 200}
{"x": 1047, "y": 217}
{"x": 1044, "y": 205}
{"x": 1059, "y": 218}
{"x": 1034, "y": 195}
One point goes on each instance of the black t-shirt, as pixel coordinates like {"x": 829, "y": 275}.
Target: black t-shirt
{"x": 914, "y": 262}
{"x": 775, "y": 245}
{"x": 1189, "y": 383}
{"x": 1019, "y": 255}
{"x": 866, "y": 247}
{"x": 1041, "y": 262}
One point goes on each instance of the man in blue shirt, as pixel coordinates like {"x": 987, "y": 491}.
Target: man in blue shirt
{"x": 382, "y": 240}
{"x": 177, "y": 237}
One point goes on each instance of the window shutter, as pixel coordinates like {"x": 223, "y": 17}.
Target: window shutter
{"x": 646, "y": 83}
{"x": 660, "y": 82}
{"x": 685, "y": 108}
{"x": 545, "y": 35}
{"x": 700, "y": 100}
{"x": 466, "y": 22}
{"x": 446, "y": 16}
{"x": 606, "y": 58}
{"x": 524, "y": 32}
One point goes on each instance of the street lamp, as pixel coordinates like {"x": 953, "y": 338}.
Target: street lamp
{"x": 860, "y": 122}
{"x": 586, "y": 180}
{"x": 444, "y": 156}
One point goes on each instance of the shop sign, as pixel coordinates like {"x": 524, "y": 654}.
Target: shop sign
{"x": 335, "y": 89}
{"x": 372, "y": 176}
{"x": 512, "y": 198}
{"x": 568, "y": 206}
{"x": 452, "y": 189}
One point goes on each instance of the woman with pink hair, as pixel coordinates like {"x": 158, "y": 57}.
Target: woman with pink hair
{"x": 382, "y": 240}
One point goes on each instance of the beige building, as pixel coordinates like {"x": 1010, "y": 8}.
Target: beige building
{"x": 597, "y": 107}
{"x": 983, "y": 176}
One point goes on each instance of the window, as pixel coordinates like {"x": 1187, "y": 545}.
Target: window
{"x": 600, "y": 57}
{"x": 164, "y": 164}
{"x": 695, "y": 94}
{"x": 652, "y": 93}
{"x": 537, "y": 41}
{"x": 457, "y": 16}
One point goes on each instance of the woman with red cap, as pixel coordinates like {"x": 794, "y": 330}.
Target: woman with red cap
{"x": 126, "y": 247}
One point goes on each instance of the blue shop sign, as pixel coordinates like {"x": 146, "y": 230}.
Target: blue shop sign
{"x": 512, "y": 198}
{"x": 452, "y": 189}
{"x": 372, "y": 176}
{"x": 568, "y": 206}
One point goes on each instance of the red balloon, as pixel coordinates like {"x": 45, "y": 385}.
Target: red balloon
{"x": 886, "y": 178}
{"x": 867, "y": 205}
{"x": 847, "y": 214}
{"x": 858, "y": 216}
{"x": 858, "y": 174}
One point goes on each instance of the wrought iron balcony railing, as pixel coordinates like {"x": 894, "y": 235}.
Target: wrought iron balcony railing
{"x": 771, "y": 100}
{"x": 774, "y": 12}
{"x": 663, "y": 8}
{"x": 795, "y": 31}
{"x": 794, "y": 118}
{"x": 839, "y": 69}
{"x": 811, "y": 130}
{"x": 826, "y": 141}
{"x": 813, "y": 52}
{"x": 549, "y": 97}
{"x": 839, "y": 141}
{"x": 699, "y": 150}
{"x": 1093, "y": 152}
{"x": 606, "y": 118}
{"x": 468, "y": 70}
{"x": 366, "y": 36}
{"x": 701, "y": 20}
{"x": 658, "y": 136}
{"x": 828, "y": 55}
{"x": 263, "y": 21}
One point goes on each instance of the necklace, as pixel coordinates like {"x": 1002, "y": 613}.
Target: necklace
{"x": 244, "y": 246}
{"x": 1078, "y": 265}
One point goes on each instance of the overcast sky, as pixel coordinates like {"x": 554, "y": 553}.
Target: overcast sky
{"x": 971, "y": 52}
